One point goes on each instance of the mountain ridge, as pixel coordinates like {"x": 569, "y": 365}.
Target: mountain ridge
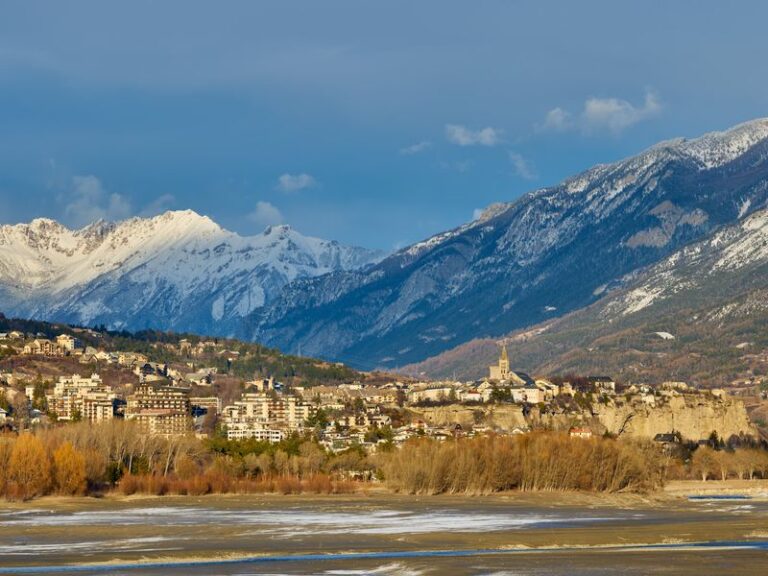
{"x": 138, "y": 272}
{"x": 549, "y": 252}
{"x": 696, "y": 315}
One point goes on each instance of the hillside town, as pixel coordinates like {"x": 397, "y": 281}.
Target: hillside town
{"x": 183, "y": 397}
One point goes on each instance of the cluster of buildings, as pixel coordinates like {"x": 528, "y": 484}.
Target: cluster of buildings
{"x": 160, "y": 403}
{"x": 158, "y": 409}
{"x": 341, "y": 414}
{"x": 62, "y": 345}
{"x": 502, "y": 384}
{"x": 163, "y": 401}
{"x": 78, "y": 398}
{"x": 265, "y": 413}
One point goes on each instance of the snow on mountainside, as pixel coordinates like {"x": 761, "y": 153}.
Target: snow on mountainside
{"x": 699, "y": 313}
{"x": 719, "y": 259}
{"x": 550, "y": 252}
{"x": 178, "y": 270}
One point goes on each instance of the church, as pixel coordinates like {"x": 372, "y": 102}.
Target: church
{"x": 502, "y": 372}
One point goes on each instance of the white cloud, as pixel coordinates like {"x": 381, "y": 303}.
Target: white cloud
{"x": 557, "y": 120}
{"x": 476, "y": 213}
{"x": 612, "y": 115}
{"x": 88, "y": 201}
{"x": 523, "y": 167}
{"x": 463, "y": 136}
{"x": 295, "y": 182}
{"x": 416, "y": 148}
{"x": 159, "y": 205}
{"x": 265, "y": 214}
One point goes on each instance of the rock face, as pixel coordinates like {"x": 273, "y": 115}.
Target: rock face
{"x": 695, "y": 417}
{"x": 502, "y": 416}
{"x": 553, "y": 251}
{"x": 179, "y": 270}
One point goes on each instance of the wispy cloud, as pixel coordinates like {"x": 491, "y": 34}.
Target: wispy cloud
{"x": 612, "y": 115}
{"x": 159, "y": 205}
{"x": 265, "y": 214}
{"x": 557, "y": 120}
{"x": 88, "y": 201}
{"x": 463, "y": 136}
{"x": 416, "y": 148}
{"x": 615, "y": 115}
{"x": 295, "y": 182}
{"x": 522, "y": 167}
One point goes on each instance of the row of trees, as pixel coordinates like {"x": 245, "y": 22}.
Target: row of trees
{"x": 744, "y": 463}
{"x": 83, "y": 458}
{"x": 543, "y": 461}
{"x": 27, "y": 470}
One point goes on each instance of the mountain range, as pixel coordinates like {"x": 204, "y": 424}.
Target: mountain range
{"x": 178, "y": 271}
{"x": 698, "y": 315}
{"x": 553, "y": 251}
{"x": 670, "y": 231}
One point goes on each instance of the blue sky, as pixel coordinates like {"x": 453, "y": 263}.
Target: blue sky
{"x": 373, "y": 123}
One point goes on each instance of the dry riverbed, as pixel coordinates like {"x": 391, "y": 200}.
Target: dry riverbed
{"x": 394, "y": 534}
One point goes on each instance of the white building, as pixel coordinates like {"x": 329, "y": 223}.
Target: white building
{"x": 87, "y": 397}
{"x": 263, "y": 415}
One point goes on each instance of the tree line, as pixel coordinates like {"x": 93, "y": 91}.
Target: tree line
{"x": 540, "y": 461}
{"x": 83, "y": 458}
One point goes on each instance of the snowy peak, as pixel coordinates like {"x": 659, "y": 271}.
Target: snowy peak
{"x": 178, "y": 261}
{"x": 718, "y": 148}
{"x": 550, "y": 252}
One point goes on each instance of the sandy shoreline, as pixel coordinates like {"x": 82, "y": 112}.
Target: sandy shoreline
{"x": 142, "y": 532}
{"x": 674, "y": 491}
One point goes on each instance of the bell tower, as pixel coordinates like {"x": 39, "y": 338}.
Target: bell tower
{"x": 504, "y": 363}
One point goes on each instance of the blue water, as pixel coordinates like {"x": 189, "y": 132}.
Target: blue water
{"x": 359, "y": 556}
{"x": 721, "y": 497}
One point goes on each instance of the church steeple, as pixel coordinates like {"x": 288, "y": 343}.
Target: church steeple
{"x": 500, "y": 371}
{"x": 504, "y": 362}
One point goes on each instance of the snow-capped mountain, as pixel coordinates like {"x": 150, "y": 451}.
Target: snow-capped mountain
{"x": 699, "y": 314}
{"x": 727, "y": 259}
{"x": 179, "y": 270}
{"x": 553, "y": 251}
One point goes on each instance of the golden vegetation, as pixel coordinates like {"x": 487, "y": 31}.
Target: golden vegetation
{"x": 707, "y": 463}
{"x": 81, "y": 458}
{"x": 533, "y": 462}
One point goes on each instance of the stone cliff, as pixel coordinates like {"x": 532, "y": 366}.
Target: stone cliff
{"x": 694, "y": 416}
{"x": 502, "y": 416}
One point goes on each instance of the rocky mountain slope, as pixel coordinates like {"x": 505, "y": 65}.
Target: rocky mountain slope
{"x": 177, "y": 271}
{"x": 699, "y": 315}
{"x": 554, "y": 251}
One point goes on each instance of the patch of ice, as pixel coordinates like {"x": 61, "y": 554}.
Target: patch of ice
{"x": 301, "y": 521}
